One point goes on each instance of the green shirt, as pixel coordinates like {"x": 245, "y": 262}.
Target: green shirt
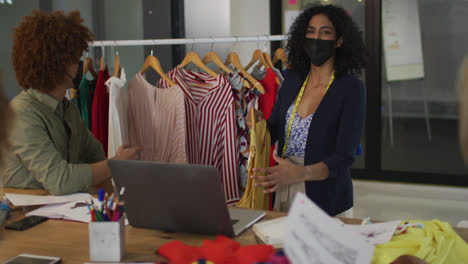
{"x": 51, "y": 146}
{"x": 85, "y": 102}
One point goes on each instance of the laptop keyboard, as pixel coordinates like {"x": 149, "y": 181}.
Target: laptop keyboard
{"x": 233, "y": 221}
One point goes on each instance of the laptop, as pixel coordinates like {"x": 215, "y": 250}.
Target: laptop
{"x": 178, "y": 198}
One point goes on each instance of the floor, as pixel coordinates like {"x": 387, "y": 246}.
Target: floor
{"x": 390, "y": 201}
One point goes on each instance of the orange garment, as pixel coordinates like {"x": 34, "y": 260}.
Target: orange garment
{"x": 259, "y": 157}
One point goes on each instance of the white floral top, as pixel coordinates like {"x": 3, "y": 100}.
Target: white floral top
{"x": 299, "y": 132}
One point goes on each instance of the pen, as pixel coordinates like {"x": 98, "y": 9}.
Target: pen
{"x": 91, "y": 212}
{"x": 100, "y": 199}
{"x": 114, "y": 209}
{"x": 98, "y": 216}
{"x": 108, "y": 214}
{"x": 118, "y": 213}
{"x": 122, "y": 191}
{"x": 104, "y": 202}
{"x": 116, "y": 216}
{"x": 111, "y": 200}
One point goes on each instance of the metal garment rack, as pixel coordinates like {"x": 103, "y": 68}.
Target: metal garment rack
{"x": 150, "y": 42}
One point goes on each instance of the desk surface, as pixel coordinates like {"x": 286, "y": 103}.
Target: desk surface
{"x": 69, "y": 240}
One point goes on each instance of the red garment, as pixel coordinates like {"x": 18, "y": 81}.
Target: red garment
{"x": 267, "y": 100}
{"x": 222, "y": 250}
{"x": 100, "y": 110}
{"x": 265, "y": 104}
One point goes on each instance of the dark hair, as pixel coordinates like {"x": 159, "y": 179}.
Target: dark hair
{"x": 350, "y": 58}
{"x": 44, "y": 44}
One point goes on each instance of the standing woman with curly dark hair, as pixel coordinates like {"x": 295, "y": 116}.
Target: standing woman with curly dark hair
{"x": 51, "y": 147}
{"x": 319, "y": 115}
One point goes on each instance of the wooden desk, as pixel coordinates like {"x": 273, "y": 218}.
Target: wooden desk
{"x": 69, "y": 240}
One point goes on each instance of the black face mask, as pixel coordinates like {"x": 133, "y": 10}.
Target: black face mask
{"x": 319, "y": 50}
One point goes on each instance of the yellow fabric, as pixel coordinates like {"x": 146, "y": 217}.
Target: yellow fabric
{"x": 436, "y": 243}
{"x": 259, "y": 157}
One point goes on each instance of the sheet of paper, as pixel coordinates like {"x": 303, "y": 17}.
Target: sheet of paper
{"x": 313, "y": 237}
{"x": 47, "y": 211}
{"x": 73, "y": 211}
{"x": 378, "y": 233}
{"x": 272, "y": 232}
{"x": 27, "y": 200}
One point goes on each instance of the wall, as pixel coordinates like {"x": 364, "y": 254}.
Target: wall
{"x": 207, "y": 18}
{"x": 124, "y": 20}
{"x": 249, "y": 18}
{"x": 120, "y": 19}
{"x": 10, "y": 16}
{"x": 224, "y": 18}
{"x": 84, "y": 6}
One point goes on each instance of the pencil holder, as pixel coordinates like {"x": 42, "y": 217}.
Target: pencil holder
{"x": 107, "y": 240}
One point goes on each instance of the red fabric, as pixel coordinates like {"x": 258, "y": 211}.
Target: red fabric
{"x": 265, "y": 104}
{"x": 100, "y": 110}
{"x": 267, "y": 100}
{"x": 222, "y": 250}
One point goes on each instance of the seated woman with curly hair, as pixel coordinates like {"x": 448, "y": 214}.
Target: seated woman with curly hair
{"x": 51, "y": 147}
{"x": 319, "y": 115}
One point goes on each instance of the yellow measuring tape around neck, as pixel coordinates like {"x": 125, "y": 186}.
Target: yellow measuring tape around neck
{"x": 296, "y": 105}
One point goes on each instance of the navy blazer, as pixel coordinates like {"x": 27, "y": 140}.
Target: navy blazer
{"x": 334, "y": 135}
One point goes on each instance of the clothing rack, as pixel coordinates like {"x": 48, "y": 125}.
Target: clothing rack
{"x": 149, "y": 42}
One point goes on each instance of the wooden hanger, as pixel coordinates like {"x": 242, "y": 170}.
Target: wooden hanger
{"x": 268, "y": 61}
{"x": 270, "y": 65}
{"x": 192, "y": 57}
{"x": 257, "y": 55}
{"x": 234, "y": 59}
{"x": 213, "y": 57}
{"x": 153, "y": 62}
{"x": 88, "y": 67}
{"x": 117, "y": 67}
{"x": 102, "y": 62}
{"x": 73, "y": 93}
{"x": 280, "y": 54}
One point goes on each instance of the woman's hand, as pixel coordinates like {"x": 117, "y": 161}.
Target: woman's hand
{"x": 406, "y": 259}
{"x": 126, "y": 152}
{"x": 258, "y": 116}
{"x": 282, "y": 174}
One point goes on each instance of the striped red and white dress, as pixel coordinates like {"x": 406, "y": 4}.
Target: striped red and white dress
{"x": 211, "y": 125}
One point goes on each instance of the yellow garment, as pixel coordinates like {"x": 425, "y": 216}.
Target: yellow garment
{"x": 259, "y": 157}
{"x": 436, "y": 243}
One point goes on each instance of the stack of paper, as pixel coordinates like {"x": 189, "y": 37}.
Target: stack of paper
{"x": 271, "y": 232}
{"x": 29, "y": 200}
{"x": 312, "y": 237}
{"x": 68, "y": 207}
{"x": 73, "y": 211}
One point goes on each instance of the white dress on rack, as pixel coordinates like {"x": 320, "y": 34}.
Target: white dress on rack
{"x": 118, "y": 119}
